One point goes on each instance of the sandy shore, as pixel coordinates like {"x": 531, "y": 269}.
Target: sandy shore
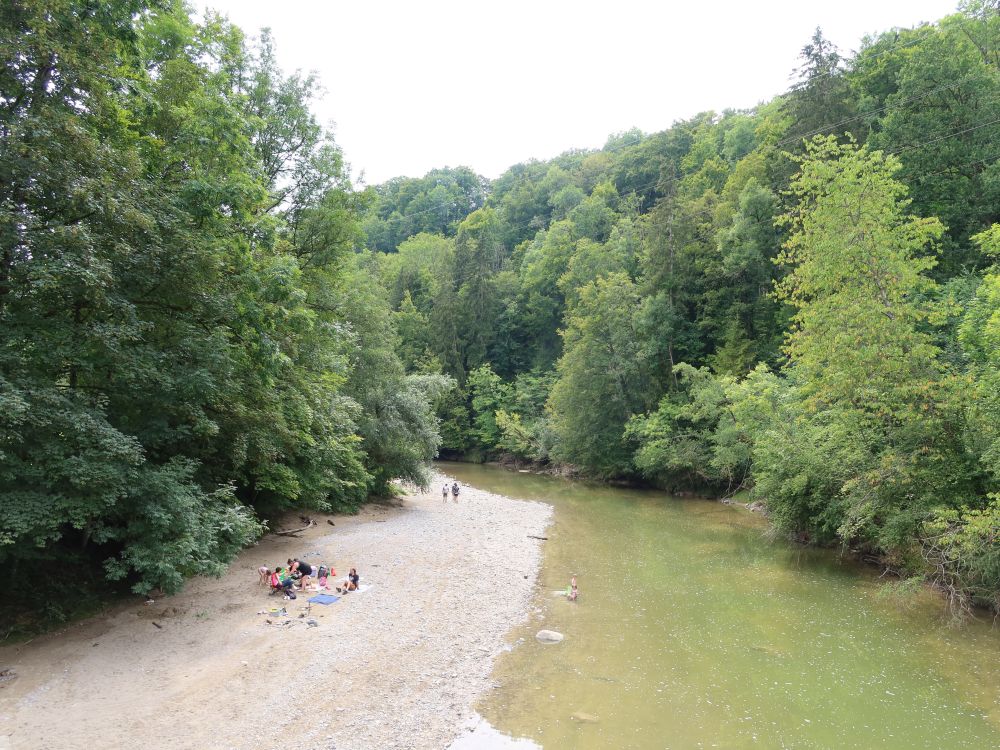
{"x": 397, "y": 666}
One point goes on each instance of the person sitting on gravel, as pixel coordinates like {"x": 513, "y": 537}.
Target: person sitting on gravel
{"x": 280, "y": 580}
{"x": 322, "y": 573}
{"x": 350, "y": 583}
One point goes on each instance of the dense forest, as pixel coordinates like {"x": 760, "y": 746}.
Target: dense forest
{"x": 801, "y": 300}
{"x": 203, "y": 323}
{"x": 188, "y": 341}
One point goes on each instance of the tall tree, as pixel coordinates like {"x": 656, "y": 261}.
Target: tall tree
{"x": 94, "y": 313}
{"x": 820, "y": 101}
{"x": 603, "y": 378}
{"x": 479, "y": 255}
{"x": 859, "y": 346}
{"x": 943, "y": 121}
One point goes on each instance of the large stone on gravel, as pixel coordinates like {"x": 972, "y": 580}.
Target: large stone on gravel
{"x": 548, "y": 636}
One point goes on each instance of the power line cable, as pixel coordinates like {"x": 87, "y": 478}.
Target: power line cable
{"x": 893, "y": 106}
{"x": 986, "y": 160}
{"x": 944, "y": 137}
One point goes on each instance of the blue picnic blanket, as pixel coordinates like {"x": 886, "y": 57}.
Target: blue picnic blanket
{"x": 324, "y": 599}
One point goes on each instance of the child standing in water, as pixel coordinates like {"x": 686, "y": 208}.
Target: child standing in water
{"x": 572, "y": 591}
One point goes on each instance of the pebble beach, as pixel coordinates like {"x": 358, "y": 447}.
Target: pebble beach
{"x": 219, "y": 666}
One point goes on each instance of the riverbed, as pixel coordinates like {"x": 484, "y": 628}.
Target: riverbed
{"x": 224, "y": 665}
{"x": 694, "y": 628}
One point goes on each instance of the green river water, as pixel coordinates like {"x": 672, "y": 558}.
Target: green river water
{"x": 693, "y": 629}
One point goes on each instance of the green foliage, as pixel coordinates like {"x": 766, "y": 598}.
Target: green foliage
{"x": 839, "y": 363}
{"x": 979, "y": 335}
{"x": 175, "y": 530}
{"x": 456, "y": 423}
{"x": 190, "y": 333}
{"x": 467, "y": 302}
{"x": 794, "y": 471}
{"x": 412, "y": 325}
{"x": 962, "y": 548}
{"x": 692, "y": 439}
{"x": 62, "y": 466}
{"x": 943, "y": 117}
{"x": 543, "y": 262}
{"x": 602, "y": 366}
{"x": 857, "y": 281}
{"x": 820, "y": 101}
{"x": 396, "y": 421}
{"x": 876, "y": 403}
{"x": 436, "y": 203}
{"x": 422, "y": 266}
{"x": 489, "y": 395}
{"x": 178, "y": 319}
{"x": 740, "y": 305}
{"x": 518, "y": 439}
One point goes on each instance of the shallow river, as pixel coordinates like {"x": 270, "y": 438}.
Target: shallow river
{"x": 694, "y": 630}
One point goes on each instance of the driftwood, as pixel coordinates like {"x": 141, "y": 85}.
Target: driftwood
{"x": 294, "y": 532}
{"x": 543, "y": 538}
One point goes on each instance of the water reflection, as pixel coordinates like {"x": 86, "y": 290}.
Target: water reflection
{"x": 486, "y": 737}
{"x": 694, "y": 630}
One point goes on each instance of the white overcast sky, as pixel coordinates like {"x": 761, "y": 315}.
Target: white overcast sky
{"x": 411, "y": 86}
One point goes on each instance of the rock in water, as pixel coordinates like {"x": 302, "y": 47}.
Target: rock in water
{"x": 584, "y": 718}
{"x": 548, "y": 636}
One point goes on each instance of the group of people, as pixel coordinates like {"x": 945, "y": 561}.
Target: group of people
{"x": 298, "y": 574}
{"x": 452, "y": 488}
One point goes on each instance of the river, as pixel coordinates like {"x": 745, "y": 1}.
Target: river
{"x": 694, "y": 629}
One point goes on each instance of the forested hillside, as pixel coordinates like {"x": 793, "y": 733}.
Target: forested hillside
{"x": 802, "y": 300}
{"x": 188, "y": 341}
{"x": 204, "y": 323}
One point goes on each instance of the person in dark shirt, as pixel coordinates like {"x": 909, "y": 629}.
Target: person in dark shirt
{"x": 304, "y": 570}
{"x": 350, "y": 583}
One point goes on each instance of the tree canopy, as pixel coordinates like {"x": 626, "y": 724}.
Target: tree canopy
{"x": 795, "y": 300}
{"x": 205, "y": 323}
{"x": 188, "y": 344}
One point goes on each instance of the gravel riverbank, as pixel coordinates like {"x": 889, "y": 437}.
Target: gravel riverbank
{"x": 396, "y": 666}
